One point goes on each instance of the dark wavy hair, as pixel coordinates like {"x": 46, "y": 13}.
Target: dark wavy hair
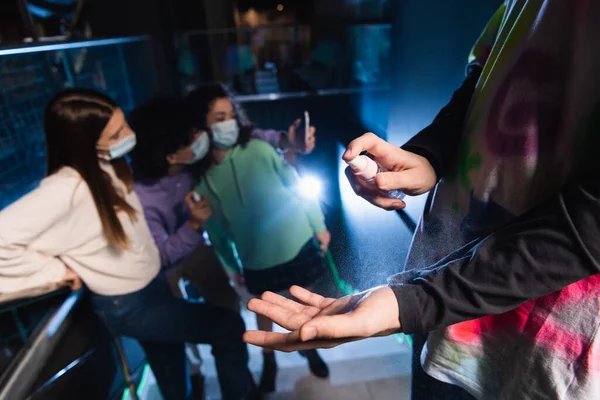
{"x": 198, "y": 104}
{"x": 73, "y": 123}
{"x": 162, "y": 128}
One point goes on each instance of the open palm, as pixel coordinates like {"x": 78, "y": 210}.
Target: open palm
{"x": 319, "y": 322}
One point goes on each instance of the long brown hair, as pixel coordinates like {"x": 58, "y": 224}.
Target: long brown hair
{"x": 73, "y": 122}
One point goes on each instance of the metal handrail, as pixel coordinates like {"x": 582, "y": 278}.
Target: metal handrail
{"x": 42, "y": 346}
{"x": 23, "y": 299}
{"x": 251, "y": 98}
{"x": 36, "y": 48}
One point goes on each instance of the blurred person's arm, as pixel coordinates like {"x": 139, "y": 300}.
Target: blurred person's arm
{"x": 175, "y": 247}
{"x": 544, "y": 250}
{"x": 275, "y": 138}
{"x": 285, "y": 141}
{"x": 46, "y": 208}
{"x": 439, "y": 142}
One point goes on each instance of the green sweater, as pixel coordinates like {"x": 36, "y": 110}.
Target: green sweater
{"x": 259, "y": 219}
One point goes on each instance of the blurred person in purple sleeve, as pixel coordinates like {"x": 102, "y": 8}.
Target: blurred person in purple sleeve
{"x": 163, "y": 163}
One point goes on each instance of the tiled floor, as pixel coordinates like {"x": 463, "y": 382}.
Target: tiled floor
{"x": 374, "y": 369}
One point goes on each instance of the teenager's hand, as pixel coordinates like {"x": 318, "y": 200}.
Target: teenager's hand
{"x": 298, "y": 142}
{"x": 324, "y": 238}
{"x": 408, "y": 172}
{"x": 319, "y": 322}
{"x": 72, "y": 280}
{"x": 200, "y": 211}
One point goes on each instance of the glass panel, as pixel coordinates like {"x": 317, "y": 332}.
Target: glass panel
{"x": 28, "y": 80}
{"x": 286, "y": 59}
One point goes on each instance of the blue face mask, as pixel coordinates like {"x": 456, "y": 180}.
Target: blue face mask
{"x": 200, "y": 148}
{"x": 225, "y": 134}
{"x": 120, "y": 149}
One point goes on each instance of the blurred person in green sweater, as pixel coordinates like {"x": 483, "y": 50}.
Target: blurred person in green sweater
{"x": 264, "y": 231}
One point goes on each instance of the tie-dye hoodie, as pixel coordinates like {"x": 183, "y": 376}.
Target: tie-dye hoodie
{"x": 524, "y": 137}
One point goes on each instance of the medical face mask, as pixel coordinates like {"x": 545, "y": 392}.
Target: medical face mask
{"x": 225, "y": 134}
{"x": 120, "y": 149}
{"x": 200, "y": 148}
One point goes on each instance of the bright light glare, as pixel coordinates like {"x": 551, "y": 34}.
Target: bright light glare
{"x": 310, "y": 187}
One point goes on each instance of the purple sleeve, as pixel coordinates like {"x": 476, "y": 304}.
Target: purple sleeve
{"x": 173, "y": 248}
{"x": 270, "y": 136}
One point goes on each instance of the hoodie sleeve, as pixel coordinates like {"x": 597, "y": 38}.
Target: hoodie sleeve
{"x": 21, "y": 223}
{"x": 544, "y": 250}
{"x": 175, "y": 247}
{"x": 273, "y": 137}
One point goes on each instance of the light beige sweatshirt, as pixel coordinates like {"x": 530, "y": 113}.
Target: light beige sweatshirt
{"x": 58, "y": 224}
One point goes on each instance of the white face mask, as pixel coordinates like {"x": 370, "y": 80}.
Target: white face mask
{"x": 225, "y": 134}
{"x": 120, "y": 149}
{"x": 200, "y": 148}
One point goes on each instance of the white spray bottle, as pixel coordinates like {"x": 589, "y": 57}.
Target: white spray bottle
{"x": 365, "y": 169}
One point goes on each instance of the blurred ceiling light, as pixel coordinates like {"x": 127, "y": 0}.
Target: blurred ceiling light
{"x": 279, "y": 7}
{"x": 310, "y": 187}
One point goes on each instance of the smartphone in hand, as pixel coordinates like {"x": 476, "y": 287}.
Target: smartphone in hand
{"x": 306, "y": 126}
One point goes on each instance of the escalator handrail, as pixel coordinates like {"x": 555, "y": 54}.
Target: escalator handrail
{"x": 27, "y": 371}
{"x": 23, "y": 299}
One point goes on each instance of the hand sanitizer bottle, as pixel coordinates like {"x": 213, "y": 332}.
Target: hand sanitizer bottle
{"x": 365, "y": 169}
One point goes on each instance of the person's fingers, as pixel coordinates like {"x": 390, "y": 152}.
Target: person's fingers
{"x": 77, "y": 284}
{"x": 269, "y": 339}
{"x": 309, "y": 298}
{"x": 373, "y": 196}
{"x": 356, "y": 186}
{"x": 311, "y": 132}
{"x": 394, "y": 180}
{"x": 291, "y": 305}
{"x": 411, "y": 181}
{"x": 328, "y": 327}
{"x": 281, "y": 316}
{"x": 203, "y": 203}
{"x": 189, "y": 199}
{"x": 294, "y": 126}
{"x": 368, "y": 142}
{"x": 317, "y": 344}
{"x": 341, "y": 306}
{"x": 388, "y": 204}
{"x": 325, "y": 244}
{"x": 288, "y": 342}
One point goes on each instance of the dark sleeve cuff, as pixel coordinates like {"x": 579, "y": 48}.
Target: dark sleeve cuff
{"x": 410, "y": 318}
{"x": 411, "y": 315}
